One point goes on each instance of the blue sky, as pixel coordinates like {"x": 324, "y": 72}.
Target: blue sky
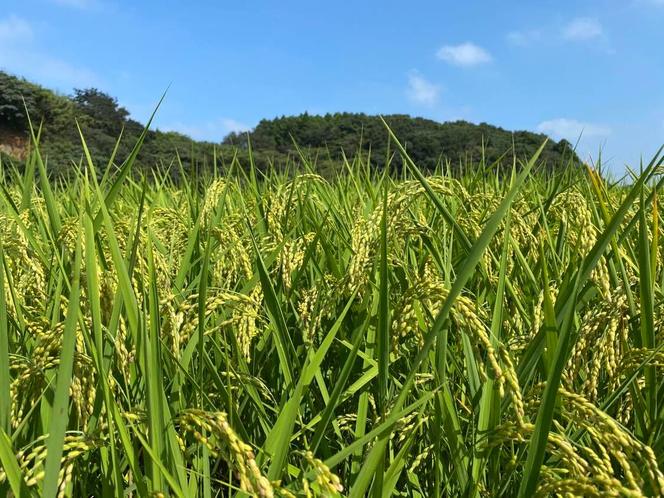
{"x": 560, "y": 67}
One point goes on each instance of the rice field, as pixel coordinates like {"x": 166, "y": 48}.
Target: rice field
{"x": 273, "y": 334}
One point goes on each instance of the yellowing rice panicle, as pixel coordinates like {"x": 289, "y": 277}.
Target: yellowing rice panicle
{"x": 231, "y": 338}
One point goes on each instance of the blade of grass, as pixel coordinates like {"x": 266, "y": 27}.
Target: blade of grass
{"x": 647, "y": 325}
{"x": 383, "y": 338}
{"x": 490, "y": 401}
{"x": 154, "y": 387}
{"x": 5, "y": 378}
{"x": 98, "y": 351}
{"x": 126, "y": 167}
{"x": 533, "y": 351}
{"x": 11, "y": 467}
{"x": 60, "y": 415}
{"x": 465, "y": 272}
{"x": 538, "y": 441}
{"x": 282, "y": 338}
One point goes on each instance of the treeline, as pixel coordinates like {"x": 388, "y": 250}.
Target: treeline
{"x": 428, "y": 142}
{"x": 323, "y": 140}
{"x": 101, "y": 119}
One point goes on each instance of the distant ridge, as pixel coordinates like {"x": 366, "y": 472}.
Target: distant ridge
{"x": 324, "y": 139}
{"x": 427, "y": 141}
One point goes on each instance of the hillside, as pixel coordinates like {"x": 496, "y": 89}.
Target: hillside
{"x": 427, "y": 141}
{"x": 323, "y": 138}
{"x": 101, "y": 120}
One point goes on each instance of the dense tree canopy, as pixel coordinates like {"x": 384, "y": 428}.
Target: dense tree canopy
{"x": 101, "y": 120}
{"x": 324, "y": 139}
{"x": 428, "y": 142}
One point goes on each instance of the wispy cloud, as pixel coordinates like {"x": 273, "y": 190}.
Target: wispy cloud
{"x": 582, "y": 28}
{"x": 48, "y": 70}
{"x": 524, "y": 37}
{"x": 466, "y": 54}
{"x": 422, "y": 91}
{"x": 18, "y": 55}
{"x": 579, "y": 29}
{"x": 14, "y": 29}
{"x": 213, "y": 131}
{"x": 76, "y": 4}
{"x": 572, "y": 129}
{"x": 230, "y": 124}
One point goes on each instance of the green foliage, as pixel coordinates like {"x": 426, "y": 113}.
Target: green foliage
{"x": 13, "y": 93}
{"x": 101, "y": 119}
{"x": 285, "y": 335}
{"x": 427, "y": 142}
{"x": 323, "y": 140}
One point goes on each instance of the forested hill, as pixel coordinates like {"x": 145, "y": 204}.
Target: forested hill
{"x": 324, "y": 139}
{"x": 426, "y": 141}
{"x": 101, "y": 120}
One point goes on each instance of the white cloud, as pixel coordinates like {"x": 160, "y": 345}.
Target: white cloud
{"x": 524, "y": 37}
{"x": 233, "y": 125}
{"x": 421, "y": 90}
{"x": 466, "y": 54}
{"x": 62, "y": 72}
{"x": 18, "y": 56}
{"x": 582, "y": 28}
{"x": 76, "y": 4}
{"x": 571, "y": 129}
{"x": 47, "y": 70}
{"x": 213, "y": 131}
{"x": 14, "y": 29}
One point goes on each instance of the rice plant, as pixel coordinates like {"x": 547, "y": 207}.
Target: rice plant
{"x": 280, "y": 334}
